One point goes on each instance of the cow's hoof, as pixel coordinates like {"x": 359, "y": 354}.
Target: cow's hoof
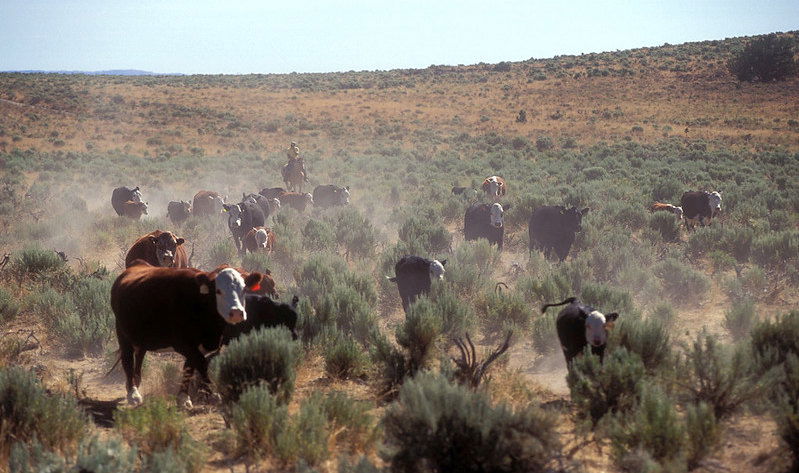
{"x": 184, "y": 401}
{"x": 134, "y": 398}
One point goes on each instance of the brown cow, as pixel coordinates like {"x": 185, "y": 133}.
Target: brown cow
{"x": 133, "y": 209}
{"x": 159, "y": 249}
{"x": 185, "y": 310}
{"x": 660, "y": 206}
{"x": 494, "y": 187}
{"x": 207, "y": 203}
{"x": 259, "y": 239}
{"x": 296, "y": 200}
{"x": 266, "y": 287}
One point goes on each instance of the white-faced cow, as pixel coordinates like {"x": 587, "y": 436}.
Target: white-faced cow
{"x": 178, "y": 212}
{"x": 485, "y": 221}
{"x": 553, "y": 227}
{"x": 413, "y": 275}
{"x": 159, "y": 248}
{"x": 259, "y": 239}
{"x": 494, "y": 187}
{"x": 184, "y": 310}
{"x": 242, "y": 218}
{"x": 330, "y": 196}
{"x": 700, "y": 207}
{"x": 120, "y": 195}
{"x": 580, "y": 325}
{"x": 207, "y": 203}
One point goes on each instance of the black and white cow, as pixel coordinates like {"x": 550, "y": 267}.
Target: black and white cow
{"x": 485, "y": 221}
{"x": 414, "y": 275}
{"x": 553, "y": 227}
{"x": 700, "y": 207}
{"x": 330, "y": 196}
{"x": 263, "y": 312}
{"x": 178, "y": 212}
{"x": 269, "y": 206}
{"x": 580, "y": 325}
{"x": 120, "y": 195}
{"x": 242, "y": 218}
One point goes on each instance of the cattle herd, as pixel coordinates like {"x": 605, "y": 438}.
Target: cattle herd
{"x": 161, "y": 303}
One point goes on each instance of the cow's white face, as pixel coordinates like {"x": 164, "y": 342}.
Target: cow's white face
{"x": 677, "y": 211}
{"x": 309, "y": 198}
{"x": 234, "y": 216}
{"x": 135, "y": 196}
{"x": 596, "y": 327}
{"x": 345, "y": 196}
{"x": 274, "y": 205}
{"x": 714, "y": 199}
{"x": 437, "y": 269}
{"x": 261, "y": 237}
{"x": 493, "y": 186}
{"x": 496, "y": 215}
{"x": 230, "y": 296}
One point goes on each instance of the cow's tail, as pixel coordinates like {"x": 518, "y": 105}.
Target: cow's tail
{"x": 191, "y": 256}
{"x": 119, "y": 358}
{"x": 570, "y": 300}
{"x": 498, "y": 287}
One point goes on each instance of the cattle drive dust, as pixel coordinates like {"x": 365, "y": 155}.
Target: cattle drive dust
{"x": 428, "y": 214}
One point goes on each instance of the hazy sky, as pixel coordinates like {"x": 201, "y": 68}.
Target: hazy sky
{"x": 233, "y": 37}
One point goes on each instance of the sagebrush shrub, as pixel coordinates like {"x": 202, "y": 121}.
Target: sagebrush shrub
{"x": 9, "y": 306}
{"x": 765, "y": 59}
{"x": 27, "y": 412}
{"x": 344, "y": 358}
{"x": 349, "y": 419}
{"x": 681, "y": 281}
{"x": 419, "y": 333}
{"x": 439, "y": 426}
{"x": 257, "y": 420}
{"x": 607, "y": 298}
{"x": 544, "y": 333}
{"x": 267, "y": 356}
{"x": 35, "y": 262}
{"x": 740, "y": 318}
{"x": 221, "y": 252}
{"x": 425, "y": 228}
{"x": 786, "y": 407}
{"x": 318, "y": 235}
{"x": 598, "y": 389}
{"x": 349, "y": 310}
{"x": 703, "y": 431}
{"x": 774, "y": 340}
{"x": 648, "y": 338}
{"x": 500, "y": 312}
{"x": 666, "y": 225}
{"x": 775, "y": 248}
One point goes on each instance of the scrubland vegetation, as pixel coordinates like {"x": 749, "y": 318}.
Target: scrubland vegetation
{"x": 702, "y": 367}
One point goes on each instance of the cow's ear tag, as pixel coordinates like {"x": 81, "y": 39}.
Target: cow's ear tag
{"x": 255, "y": 287}
{"x": 204, "y": 289}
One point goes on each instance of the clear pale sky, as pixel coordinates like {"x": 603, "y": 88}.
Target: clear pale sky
{"x": 249, "y": 36}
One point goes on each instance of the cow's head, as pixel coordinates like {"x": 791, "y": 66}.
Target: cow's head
{"x": 265, "y": 287}
{"x": 344, "y": 195}
{"x": 677, "y": 211}
{"x": 234, "y": 215}
{"x": 573, "y": 218}
{"x": 166, "y": 245}
{"x": 228, "y": 287}
{"x": 497, "y": 213}
{"x": 274, "y": 205}
{"x": 135, "y": 194}
{"x": 491, "y": 186}
{"x": 437, "y": 269}
{"x": 597, "y": 325}
{"x": 714, "y": 198}
{"x": 261, "y": 237}
{"x": 309, "y": 198}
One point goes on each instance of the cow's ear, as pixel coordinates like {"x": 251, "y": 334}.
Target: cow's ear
{"x": 611, "y": 317}
{"x": 180, "y": 241}
{"x": 347, "y": 187}
{"x": 225, "y": 207}
{"x": 585, "y": 210}
{"x": 507, "y": 207}
{"x": 443, "y": 262}
{"x": 204, "y": 283}
{"x": 294, "y": 301}
{"x": 253, "y": 281}
{"x": 153, "y": 239}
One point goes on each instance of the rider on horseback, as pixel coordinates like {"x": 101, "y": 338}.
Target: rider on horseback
{"x": 293, "y": 153}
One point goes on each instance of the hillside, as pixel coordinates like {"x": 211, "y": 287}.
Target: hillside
{"x": 699, "y": 367}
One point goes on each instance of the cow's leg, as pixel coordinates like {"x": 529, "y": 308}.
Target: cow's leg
{"x": 183, "y": 391}
{"x": 126, "y": 357}
{"x": 194, "y": 361}
{"x": 138, "y": 361}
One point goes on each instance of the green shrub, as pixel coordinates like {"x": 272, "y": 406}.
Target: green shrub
{"x": 504, "y": 311}
{"x": 553, "y": 287}
{"x": 544, "y": 333}
{"x": 157, "y": 427}
{"x": 438, "y": 426}
{"x": 775, "y": 248}
{"x": 765, "y": 59}
{"x": 663, "y": 312}
{"x": 306, "y": 437}
{"x": 608, "y": 298}
{"x": 544, "y": 143}
{"x": 221, "y": 252}
{"x": 257, "y": 420}
{"x": 425, "y": 228}
{"x": 344, "y": 358}
{"x": 773, "y": 341}
{"x": 723, "y": 377}
{"x": 740, "y": 319}
{"x": 263, "y": 356}
{"x": 665, "y": 224}
{"x": 420, "y": 332}
{"x": 28, "y": 413}
{"x": 392, "y": 365}
{"x": 721, "y": 261}
{"x": 349, "y": 310}
{"x": 355, "y": 233}
{"x": 703, "y": 430}
{"x": 651, "y": 426}
{"x": 35, "y": 262}
{"x": 318, "y": 236}
{"x": 786, "y": 408}
{"x": 348, "y": 418}
{"x": 648, "y": 338}
{"x": 9, "y": 307}
{"x": 667, "y": 189}
{"x": 598, "y": 389}
{"x": 260, "y": 262}
{"x": 681, "y": 281}
{"x": 456, "y": 315}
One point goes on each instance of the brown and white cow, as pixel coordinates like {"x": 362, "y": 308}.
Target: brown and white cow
{"x": 133, "y": 209}
{"x": 185, "y": 310}
{"x": 660, "y": 206}
{"x": 159, "y": 248}
{"x": 494, "y": 187}
{"x": 207, "y": 203}
{"x": 259, "y": 239}
{"x": 296, "y": 201}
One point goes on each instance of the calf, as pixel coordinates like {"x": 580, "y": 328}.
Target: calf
{"x": 259, "y": 239}
{"x": 553, "y": 228}
{"x": 494, "y": 187}
{"x": 263, "y": 312}
{"x": 184, "y": 310}
{"x": 134, "y": 210}
{"x": 413, "y": 275}
{"x": 330, "y": 196}
{"x": 659, "y": 206}
{"x": 485, "y": 221}
{"x": 178, "y": 212}
{"x": 296, "y": 201}
{"x": 579, "y": 325}
{"x": 207, "y": 203}
{"x": 159, "y": 248}
{"x": 272, "y": 192}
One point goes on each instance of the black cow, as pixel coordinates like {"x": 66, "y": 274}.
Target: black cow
{"x": 552, "y": 227}
{"x": 330, "y": 196}
{"x": 178, "y": 212}
{"x": 579, "y": 325}
{"x": 185, "y": 310}
{"x": 700, "y": 206}
{"x": 269, "y": 205}
{"x": 413, "y": 275}
{"x": 485, "y": 221}
{"x": 120, "y": 195}
{"x": 262, "y": 311}
{"x": 242, "y": 218}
